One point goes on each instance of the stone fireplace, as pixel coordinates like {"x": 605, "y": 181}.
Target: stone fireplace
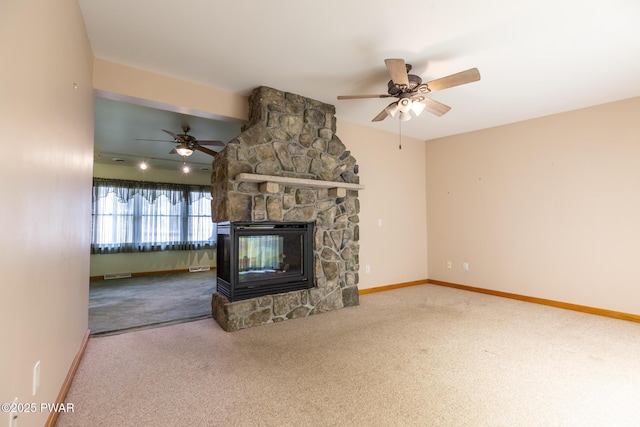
{"x": 288, "y": 166}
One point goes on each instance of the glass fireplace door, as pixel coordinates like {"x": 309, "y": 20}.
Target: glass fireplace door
{"x": 264, "y": 258}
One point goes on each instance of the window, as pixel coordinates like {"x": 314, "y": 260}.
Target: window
{"x": 131, "y": 216}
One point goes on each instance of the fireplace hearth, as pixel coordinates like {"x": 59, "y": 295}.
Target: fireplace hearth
{"x": 263, "y": 258}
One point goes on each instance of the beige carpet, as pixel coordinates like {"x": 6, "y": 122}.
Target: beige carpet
{"x": 419, "y": 356}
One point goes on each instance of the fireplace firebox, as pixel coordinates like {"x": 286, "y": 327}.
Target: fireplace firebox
{"x": 263, "y": 258}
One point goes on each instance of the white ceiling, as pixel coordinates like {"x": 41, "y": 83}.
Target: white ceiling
{"x": 535, "y": 57}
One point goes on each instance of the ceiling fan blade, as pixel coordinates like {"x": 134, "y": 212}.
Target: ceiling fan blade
{"x": 174, "y": 135}
{"x": 173, "y": 151}
{"x": 398, "y": 71}
{"x": 434, "y": 106}
{"x": 461, "y": 78}
{"x": 211, "y": 142}
{"x": 363, "y": 96}
{"x": 205, "y": 150}
{"x": 381, "y": 116}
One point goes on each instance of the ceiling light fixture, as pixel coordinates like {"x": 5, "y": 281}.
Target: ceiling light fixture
{"x": 183, "y": 150}
{"x": 417, "y": 106}
{"x": 405, "y": 106}
{"x": 405, "y": 116}
{"x": 186, "y": 168}
{"x": 143, "y": 165}
{"x": 392, "y": 109}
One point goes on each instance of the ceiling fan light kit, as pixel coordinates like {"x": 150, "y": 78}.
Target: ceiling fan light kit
{"x": 183, "y": 150}
{"x": 405, "y": 116}
{"x": 404, "y": 105}
{"x": 392, "y": 109}
{"x": 410, "y": 91}
{"x": 418, "y": 107}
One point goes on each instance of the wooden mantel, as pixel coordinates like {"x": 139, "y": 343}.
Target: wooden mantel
{"x": 270, "y": 183}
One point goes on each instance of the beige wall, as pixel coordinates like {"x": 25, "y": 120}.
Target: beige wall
{"x": 547, "y": 208}
{"x": 150, "y": 261}
{"x": 111, "y": 79}
{"x": 395, "y": 179}
{"x": 45, "y": 186}
{"x": 396, "y": 250}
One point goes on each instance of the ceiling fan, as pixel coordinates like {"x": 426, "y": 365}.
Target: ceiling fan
{"x": 187, "y": 144}
{"x": 411, "y": 92}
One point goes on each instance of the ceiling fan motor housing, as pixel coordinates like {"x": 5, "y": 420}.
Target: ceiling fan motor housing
{"x": 188, "y": 140}
{"x": 396, "y": 89}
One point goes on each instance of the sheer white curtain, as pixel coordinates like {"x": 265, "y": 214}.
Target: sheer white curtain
{"x": 200, "y": 227}
{"x": 131, "y": 216}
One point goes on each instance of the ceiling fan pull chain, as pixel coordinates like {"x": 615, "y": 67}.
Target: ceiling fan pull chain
{"x": 400, "y": 134}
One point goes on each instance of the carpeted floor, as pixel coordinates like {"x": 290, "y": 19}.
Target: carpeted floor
{"x": 419, "y": 356}
{"x": 124, "y": 305}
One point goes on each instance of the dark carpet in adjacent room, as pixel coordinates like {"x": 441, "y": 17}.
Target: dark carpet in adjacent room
{"x": 123, "y": 305}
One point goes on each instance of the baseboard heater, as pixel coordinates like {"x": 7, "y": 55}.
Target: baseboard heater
{"x": 116, "y": 276}
{"x": 199, "y": 268}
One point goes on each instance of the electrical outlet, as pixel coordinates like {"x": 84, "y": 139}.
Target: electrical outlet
{"x": 36, "y": 377}
{"x": 449, "y": 265}
{"x": 380, "y": 222}
{"x": 465, "y": 266}
{"x": 367, "y": 268}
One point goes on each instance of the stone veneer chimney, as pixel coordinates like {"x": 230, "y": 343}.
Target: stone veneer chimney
{"x": 291, "y": 139}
